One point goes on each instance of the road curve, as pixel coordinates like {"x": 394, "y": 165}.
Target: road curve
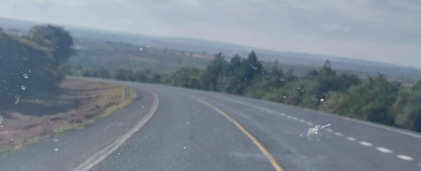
{"x": 198, "y": 130}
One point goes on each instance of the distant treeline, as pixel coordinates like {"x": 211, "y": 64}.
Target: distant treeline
{"x": 374, "y": 99}
{"x": 32, "y": 63}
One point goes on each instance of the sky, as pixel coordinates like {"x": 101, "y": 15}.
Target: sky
{"x": 379, "y": 30}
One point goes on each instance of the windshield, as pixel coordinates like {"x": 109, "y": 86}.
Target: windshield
{"x": 210, "y": 85}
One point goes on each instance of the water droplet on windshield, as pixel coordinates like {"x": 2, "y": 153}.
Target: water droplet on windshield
{"x": 312, "y": 132}
{"x": 55, "y": 149}
{"x": 25, "y": 75}
{"x": 253, "y": 67}
{"x": 17, "y": 97}
{"x": 22, "y": 87}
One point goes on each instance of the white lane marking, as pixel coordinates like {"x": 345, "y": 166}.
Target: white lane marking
{"x": 403, "y": 157}
{"x": 309, "y": 123}
{"x": 396, "y": 130}
{"x": 99, "y": 156}
{"x": 282, "y": 114}
{"x": 384, "y": 150}
{"x": 350, "y": 138}
{"x": 365, "y": 143}
{"x": 339, "y": 134}
{"x": 419, "y": 164}
{"x": 289, "y": 117}
{"x": 300, "y": 120}
{"x": 294, "y": 118}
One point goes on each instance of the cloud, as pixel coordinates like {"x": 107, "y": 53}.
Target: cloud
{"x": 381, "y": 30}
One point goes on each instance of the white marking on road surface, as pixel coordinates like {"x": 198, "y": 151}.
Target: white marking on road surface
{"x": 384, "y": 150}
{"x": 381, "y": 149}
{"x": 98, "y": 157}
{"x": 403, "y": 157}
{"x": 350, "y": 138}
{"x": 365, "y": 143}
{"x": 55, "y": 149}
{"x": 294, "y": 118}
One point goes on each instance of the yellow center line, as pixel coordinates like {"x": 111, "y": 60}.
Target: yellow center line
{"x": 251, "y": 137}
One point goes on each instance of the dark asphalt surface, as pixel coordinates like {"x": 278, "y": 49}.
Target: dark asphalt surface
{"x": 185, "y": 134}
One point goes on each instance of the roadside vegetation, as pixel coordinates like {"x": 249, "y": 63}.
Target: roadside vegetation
{"x": 36, "y": 99}
{"x": 32, "y": 63}
{"x": 373, "y": 99}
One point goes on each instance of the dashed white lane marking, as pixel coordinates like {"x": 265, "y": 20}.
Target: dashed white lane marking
{"x": 350, "y": 138}
{"x": 365, "y": 143}
{"x": 384, "y": 150}
{"x": 381, "y": 149}
{"x": 403, "y": 157}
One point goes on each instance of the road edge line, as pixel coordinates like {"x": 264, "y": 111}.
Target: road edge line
{"x": 101, "y": 155}
{"x": 245, "y": 132}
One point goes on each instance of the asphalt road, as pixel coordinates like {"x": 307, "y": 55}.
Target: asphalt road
{"x": 197, "y": 130}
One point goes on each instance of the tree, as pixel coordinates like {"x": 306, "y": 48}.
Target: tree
{"x": 371, "y": 100}
{"x": 214, "y": 74}
{"x": 253, "y": 68}
{"x": 408, "y": 109}
{"x": 59, "y": 44}
{"x": 32, "y": 63}
{"x": 418, "y": 85}
{"x": 328, "y": 80}
{"x": 56, "y": 37}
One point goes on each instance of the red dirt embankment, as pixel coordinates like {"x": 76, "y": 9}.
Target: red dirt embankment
{"x": 79, "y": 101}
